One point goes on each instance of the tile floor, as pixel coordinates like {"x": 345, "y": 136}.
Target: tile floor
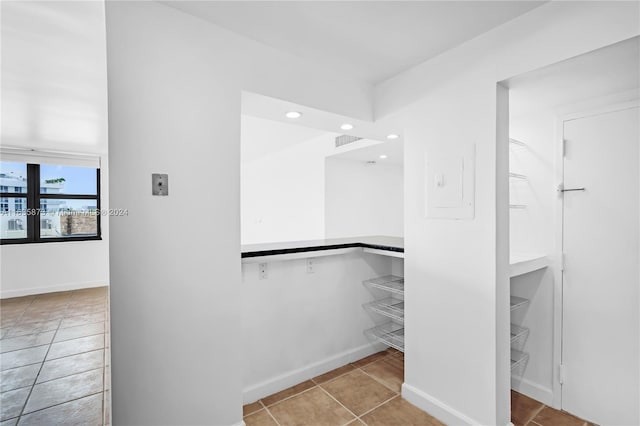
{"x": 55, "y": 365}
{"x": 529, "y": 412}
{"x": 54, "y": 359}
{"x": 366, "y": 392}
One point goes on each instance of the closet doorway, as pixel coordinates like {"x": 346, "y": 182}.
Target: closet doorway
{"x": 574, "y": 194}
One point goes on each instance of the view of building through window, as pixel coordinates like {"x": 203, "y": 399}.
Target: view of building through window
{"x": 66, "y": 200}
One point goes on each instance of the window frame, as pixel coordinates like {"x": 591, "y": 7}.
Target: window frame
{"x": 34, "y": 197}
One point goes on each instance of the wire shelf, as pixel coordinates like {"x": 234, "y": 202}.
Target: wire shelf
{"x": 518, "y": 359}
{"x": 516, "y": 142}
{"x": 389, "y": 307}
{"x": 390, "y": 283}
{"x": 391, "y": 334}
{"x": 518, "y": 302}
{"x": 517, "y": 206}
{"x": 517, "y": 176}
{"x": 518, "y": 332}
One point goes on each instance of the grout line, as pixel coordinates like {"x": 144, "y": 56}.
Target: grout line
{"x": 289, "y": 397}
{"x": 80, "y": 337}
{"x": 272, "y": 416}
{"x": 337, "y": 377}
{"x": 28, "y": 347}
{"x": 379, "y": 381}
{"x": 341, "y": 404}
{"x": 39, "y": 371}
{"x": 55, "y": 405}
{"x": 533, "y": 416}
{"x": 380, "y": 405}
{"x": 69, "y": 375}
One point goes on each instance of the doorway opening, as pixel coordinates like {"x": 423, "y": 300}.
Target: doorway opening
{"x": 574, "y": 220}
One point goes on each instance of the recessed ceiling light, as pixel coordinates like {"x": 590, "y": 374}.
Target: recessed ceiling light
{"x": 383, "y": 156}
{"x": 392, "y": 136}
{"x": 346, "y": 126}
{"x": 293, "y": 114}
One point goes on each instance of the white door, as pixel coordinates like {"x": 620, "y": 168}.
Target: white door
{"x": 601, "y": 331}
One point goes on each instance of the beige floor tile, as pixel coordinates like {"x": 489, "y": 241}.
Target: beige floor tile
{"x": 399, "y": 412}
{"x": 370, "y": 359}
{"x": 36, "y": 316}
{"x": 260, "y": 418}
{"x": 333, "y": 374}
{"x": 293, "y": 390}
{"x": 76, "y": 346}
{"x": 9, "y": 321}
{"x": 79, "y": 331}
{"x": 313, "y": 408}
{"x": 85, "y": 411}
{"x": 358, "y": 392}
{"x": 12, "y": 312}
{"x": 551, "y": 417}
{"x": 24, "y": 300}
{"x": 22, "y": 357}
{"x": 523, "y": 408}
{"x": 69, "y": 365}
{"x": 251, "y": 408}
{"x": 24, "y": 342}
{"x": 33, "y": 328}
{"x": 10, "y": 422}
{"x": 389, "y": 371}
{"x": 55, "y": 392}
{"x": 76, "y": 320}
{"x": 11, "y": 403}
{"x": 18, "y": 377}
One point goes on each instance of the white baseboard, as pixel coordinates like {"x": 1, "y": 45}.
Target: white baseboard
{"x": 5, "y": 294}
{"x": 256, "y": 391}
{"x": 240, "y": 423}
{"x": 435, "y": 407}
{"x": 532, "y": 390}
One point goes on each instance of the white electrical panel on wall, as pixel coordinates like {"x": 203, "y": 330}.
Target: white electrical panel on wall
{"x": 450, "y": 182}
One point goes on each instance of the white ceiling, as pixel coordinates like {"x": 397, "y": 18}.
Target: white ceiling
{"x": 392, "y": 149}
{"x": 370, "y": 40}
{"x": 54, "y": 75}
{"x": 612, "y": 69}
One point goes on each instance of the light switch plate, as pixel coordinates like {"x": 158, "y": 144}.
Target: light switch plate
{"x": 159, "y": 184}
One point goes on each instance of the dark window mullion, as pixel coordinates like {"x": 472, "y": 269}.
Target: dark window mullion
{"x": 33, "y": 203}
{"x": 98, "y": 224}
{"x": 67, "y": 197}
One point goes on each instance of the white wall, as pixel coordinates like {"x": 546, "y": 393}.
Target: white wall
{"x": 453, "y": 347}
{"x": 283, "y": 193}
{"x": 296, "y": 325}
{"x": 54, "y": 97}
{"x": 300, "y": 193}
{"x": 362, "y": 199}
{"x": 174, "y": 107}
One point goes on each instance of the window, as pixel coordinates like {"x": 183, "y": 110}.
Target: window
{"x": 48, "y": 202}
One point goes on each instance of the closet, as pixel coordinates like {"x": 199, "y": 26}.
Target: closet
{"x": 574, "y": 190}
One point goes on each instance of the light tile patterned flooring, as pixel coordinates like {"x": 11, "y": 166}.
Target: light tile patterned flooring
{"x": 54, "y": 359}
{"x": 529, "y": 412}
{"x": 366, "y": 392}
{"x": 55, "y": 369}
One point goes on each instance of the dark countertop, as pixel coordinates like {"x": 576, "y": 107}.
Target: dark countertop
{"x": 375, "y": 242}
